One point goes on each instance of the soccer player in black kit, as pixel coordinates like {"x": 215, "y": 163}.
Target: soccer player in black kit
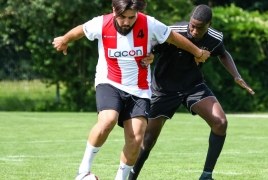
{"x": 177, "y": 79}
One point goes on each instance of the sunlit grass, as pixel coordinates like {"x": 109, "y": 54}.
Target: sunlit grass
{"x": 50, "y": 146}
{"x": 25, "y": 95}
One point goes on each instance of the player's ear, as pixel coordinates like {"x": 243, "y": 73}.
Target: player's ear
{"x": 210, "y": 23}
{"x": 114, "y": 11}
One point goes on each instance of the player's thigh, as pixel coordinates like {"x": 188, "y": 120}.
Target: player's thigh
{"x": 108, "y": 102}
{"x": 107, "y": 119}
{"x": 155, "y": 125}
{"x": 134, "y": 129}
{"x": 152, "y": 132}
{"x": 134, "y": 107}
{"x": 165, "y": 105}
{"x": 210, "y": 110}
{"x": 202, "y": 101}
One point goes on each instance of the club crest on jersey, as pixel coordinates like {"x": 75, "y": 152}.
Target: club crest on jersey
{"x": 116, "y": 53}
{"x": 204, "y": 48}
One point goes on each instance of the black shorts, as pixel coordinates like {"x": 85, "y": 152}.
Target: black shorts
{"x": 166, "y": 105}
{"x": 128, "y": 106}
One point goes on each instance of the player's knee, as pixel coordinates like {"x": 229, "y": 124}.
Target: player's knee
{"x": 149, "y": 141}
{"x": 133, "y": 145}
{"x": 220, "y": 126}
{"x": 106, "y": 128}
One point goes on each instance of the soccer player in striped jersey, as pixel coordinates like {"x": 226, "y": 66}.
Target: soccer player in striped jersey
{"x": 122, "y": 85}
{"x": 177, "y": 79}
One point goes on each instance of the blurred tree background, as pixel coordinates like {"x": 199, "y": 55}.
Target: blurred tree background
{"x": 27, "y": 29}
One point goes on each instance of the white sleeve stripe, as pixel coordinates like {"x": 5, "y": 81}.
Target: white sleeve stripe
{"x": 179, "y": 28}
{"x": 215, "y": 34}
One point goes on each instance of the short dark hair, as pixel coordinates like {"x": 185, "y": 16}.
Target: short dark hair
{"x": 122, "y": 5}
{"x": 202, "y": 13}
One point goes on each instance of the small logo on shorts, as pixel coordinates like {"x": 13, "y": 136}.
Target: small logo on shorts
{"x": 146, "y": 113}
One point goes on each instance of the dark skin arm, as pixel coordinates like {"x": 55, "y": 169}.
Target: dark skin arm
{"x": 227, "y": 61}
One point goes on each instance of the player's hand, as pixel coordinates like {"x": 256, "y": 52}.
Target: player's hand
{"x": 203, "y": 57}
{"x": 243, "y": 84}
{"x": 147, "y": 60}
{"x": 59, "y": 44}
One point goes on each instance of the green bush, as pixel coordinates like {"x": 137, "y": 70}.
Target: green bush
{"x": 245, "y": 37}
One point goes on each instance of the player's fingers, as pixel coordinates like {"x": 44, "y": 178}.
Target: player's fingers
{"x": 196, "y": 61}
{"x": 250, "y": 91}
{"x": 65, "y": 51}
{"x": 204, "y": 56}
{"x": 243, "y": 84}
{"x": 148, "y": 59}
{"x": 58, "y": 47}
{"x": 143, "y": 64}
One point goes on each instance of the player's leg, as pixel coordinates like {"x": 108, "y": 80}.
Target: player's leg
{"x": 134, "y": 122}
{"x": 134, "y": 131}
{"x": 162, "y": 108}
{"x": 211, "y": 111}
{"x": 107, "y": 119}
{"x": 152, "y": 133}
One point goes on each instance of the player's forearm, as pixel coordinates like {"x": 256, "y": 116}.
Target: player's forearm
{"x": 182, "y": 42}
{"x": 74, "y": 34}
{"x": 227, "y": 61}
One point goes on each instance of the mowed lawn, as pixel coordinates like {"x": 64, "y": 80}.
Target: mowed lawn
{"x": 50, "y": 146}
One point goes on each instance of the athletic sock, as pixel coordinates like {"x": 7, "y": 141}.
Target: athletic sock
{"x": 215, "y": 146}
{"x": 123, "y": 171}
{"x": 88, "y": 158}
{"x": 206, "y": 175}
{"x": 143, "y": 156}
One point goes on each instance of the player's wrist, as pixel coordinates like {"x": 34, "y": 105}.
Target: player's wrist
{"x": 238, "y": 77}
{"x": 65, "y": 40}
{"x": 202, "y": 53}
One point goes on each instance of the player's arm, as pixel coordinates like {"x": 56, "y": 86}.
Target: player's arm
{"x": 61, "y": 43}
{"x": 182, "y": 42}
{"x": 155, "y": 49}
{"x": 227, "y": 61}
{"x": 147, "y": 60}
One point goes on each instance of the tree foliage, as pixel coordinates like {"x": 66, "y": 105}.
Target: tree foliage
{"x": 27, "y": 29}
{"x": 249, "y": 5}
{"x": 246, "y": 38}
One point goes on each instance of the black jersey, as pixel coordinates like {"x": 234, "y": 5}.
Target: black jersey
{"x": 176, "y": 69}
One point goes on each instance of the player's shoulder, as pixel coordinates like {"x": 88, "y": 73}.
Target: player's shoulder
{"x": 148, "y": 17}
{"x": 213, "y": 33}
{"x": 179, "y": 27}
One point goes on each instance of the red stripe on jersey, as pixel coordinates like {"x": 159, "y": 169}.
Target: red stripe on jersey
{"x": 140, "y": 36}
{"x": 109, "y": 38}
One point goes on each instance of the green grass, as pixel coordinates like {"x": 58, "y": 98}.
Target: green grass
{"x": 25, "y": 95}
{"x": 50, "y": 146}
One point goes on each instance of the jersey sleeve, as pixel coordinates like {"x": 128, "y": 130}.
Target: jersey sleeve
{"x": 93, "y": 28}
{"x": 159, "y": 48}
{"x": 217, "y": 47}
{"x": 218, "y": 50}
{"x": 160, "y": 30}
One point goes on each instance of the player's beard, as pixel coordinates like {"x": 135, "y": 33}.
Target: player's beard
{"x": 122, "y": 30}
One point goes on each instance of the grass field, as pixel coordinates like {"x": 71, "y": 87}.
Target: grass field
{"x": 49, "y": 146}
{"x": 25, "y": 95}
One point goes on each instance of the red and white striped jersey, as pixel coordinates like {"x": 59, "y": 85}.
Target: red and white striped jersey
{"x": 119, "y": 56}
